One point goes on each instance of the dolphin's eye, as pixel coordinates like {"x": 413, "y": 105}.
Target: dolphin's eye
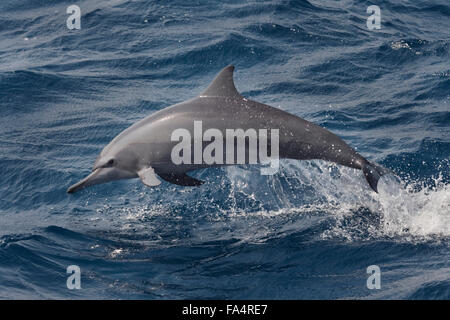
{"x": 110, "y": 163}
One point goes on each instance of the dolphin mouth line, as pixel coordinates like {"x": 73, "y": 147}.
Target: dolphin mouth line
{"x": 101, "y": 175}
{"x": 83, "y": 183}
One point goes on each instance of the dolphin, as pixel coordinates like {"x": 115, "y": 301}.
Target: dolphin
{"x": 145, "y": 149}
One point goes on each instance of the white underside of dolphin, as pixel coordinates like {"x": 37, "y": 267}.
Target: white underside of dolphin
{"x": 144, "y": 149}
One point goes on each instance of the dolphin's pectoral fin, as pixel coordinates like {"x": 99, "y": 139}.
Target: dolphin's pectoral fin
{"x": 148, "y": 177}
{"x": 181, "y": 179}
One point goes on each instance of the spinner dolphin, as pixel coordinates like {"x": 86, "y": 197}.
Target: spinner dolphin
{"x": 146, "y": 149}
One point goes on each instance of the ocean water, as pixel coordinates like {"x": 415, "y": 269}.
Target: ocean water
{"x": 309, "y": 232}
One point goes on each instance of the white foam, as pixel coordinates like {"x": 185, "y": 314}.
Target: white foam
{"x": 416, "y": 210}
{"x": 411, "y": 211}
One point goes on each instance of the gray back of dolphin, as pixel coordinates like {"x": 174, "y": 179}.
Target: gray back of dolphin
{"x": 145, "y": 149}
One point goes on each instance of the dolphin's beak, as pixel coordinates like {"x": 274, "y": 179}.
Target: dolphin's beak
{"x": 101, "y": 175}
{"x": 88, "y": 181}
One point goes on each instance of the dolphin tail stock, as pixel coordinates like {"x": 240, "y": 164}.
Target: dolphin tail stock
{"x": 373, "y": 172}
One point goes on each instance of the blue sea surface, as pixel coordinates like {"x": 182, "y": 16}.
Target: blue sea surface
{"x": 309, "y": 232}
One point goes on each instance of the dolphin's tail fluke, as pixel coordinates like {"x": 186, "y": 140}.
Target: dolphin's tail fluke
{"x": 373, "y": 173}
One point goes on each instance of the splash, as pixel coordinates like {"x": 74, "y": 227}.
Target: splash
{"x": 416, "y": 209}
{"x": 410, "y": 211}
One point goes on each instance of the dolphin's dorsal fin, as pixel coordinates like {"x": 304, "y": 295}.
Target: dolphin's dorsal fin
{"x": 222, "y": 85}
